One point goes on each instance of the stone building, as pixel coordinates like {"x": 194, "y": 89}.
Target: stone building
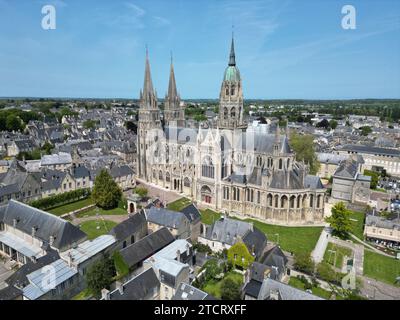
{"x": 227, "y": 167}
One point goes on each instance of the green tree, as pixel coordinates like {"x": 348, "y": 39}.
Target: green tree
{"x": 47, "y": 147}
{"x": 366, "y": 130}
{"x": 340, "y": 220}
{"x": 141, "y": 191}
{"x": 100, "y": 275}
{"x": 14, "y": 123}
{"x": 239, "y": 255}
{"x": 212, "y": 268}
{"x": 333, "y": 124}
{"x": 303, "y": 262}
{"x": 90, "y": 124}
{"x": 303, "y": 145}
{"x": 374, "y": 178}
{"x": 230, "y": 289}
{"x": 106, "y": 193}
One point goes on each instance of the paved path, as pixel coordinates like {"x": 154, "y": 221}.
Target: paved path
{"x": 358, "y": 250}
{"x": 318, "y": 253}
{"x": 114, "y": 218}
{"x": 165, "y": 195}
{"x": 377, "y": 290}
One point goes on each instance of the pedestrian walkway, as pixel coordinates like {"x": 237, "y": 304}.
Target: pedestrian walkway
{"x": 318, "y": 253}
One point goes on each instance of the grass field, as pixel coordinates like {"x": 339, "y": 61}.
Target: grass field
{"x": 179, "y": 204}
{"x": 294, "y": 282}
{"x": 94, "y": 211}
{"x": 380, "y": 267}
{"x": 357, "y": 227}
{"x": 292, "y": 239}
{"x": 58, "y": 211}
{"x": 341, "y": 252}
{"x": 213, "y": 287}
{"x": 90, "y": 227}
{"x": 209, "y": 216}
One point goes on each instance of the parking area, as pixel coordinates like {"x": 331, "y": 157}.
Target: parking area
{"x": 4, "y": 274}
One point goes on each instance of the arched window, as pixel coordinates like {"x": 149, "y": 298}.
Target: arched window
{"x": 233, "y": 113}
{"x": 232, "y": 90}
{"x": 298, "y": 201}
{"x": 280, "y": 163}
{"x": 292, "y": 201}
{"x": 227, "y": 90}
{"x": 319, "y": 201}
{"x": 311, "y": 200}
{"x": 269, "y": 199}
{"x": 258, "y": 197}
{"x": 160, "y": 175}
{"x": 288, "y": 163}
{"x": 225, "y": 113}
{"x": 154, "y": 174}
{"x": 283, "y": 201}
{"x": 167, "y": 177}
{"x": 207, "y": 169}
{"x": 186, "y": 182}
{"x": 132, "y": 239}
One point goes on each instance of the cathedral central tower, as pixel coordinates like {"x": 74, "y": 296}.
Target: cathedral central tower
{"x": 231, "y": 96}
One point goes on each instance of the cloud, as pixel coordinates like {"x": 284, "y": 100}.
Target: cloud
{"x": 136, "y": 9}
{"x": 161, "y": 21}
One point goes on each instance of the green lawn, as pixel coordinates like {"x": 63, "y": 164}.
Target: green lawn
{"x": 325, "y": 294}
{"x": 209, "y": 216}
{"x": 90, "y": 227}
{"x": 380, "y": 267}
{"x": 292, "y": 239}
{"x": 179, "y": 204}
{"x": 83, "y": 295}
{"x": 71, "y": 206}
{"x": 213, "y": 287}
{"x": 357, "y": 227}
{"x": 92, "y": 212}
{"x": 341, "y": 252}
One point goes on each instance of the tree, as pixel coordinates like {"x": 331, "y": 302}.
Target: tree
{"x": 239, "y": 255}
{"x": 340, "y": 220}
{"x": 333, "y": 124}
{"x": 303, "y": 262}
{"x": 374, "y": 178}
{"x": 366, "y": 130}
{"x": 141, "y": 191}
{"x": 212, "y": 268}
{"x": 47, "y": 147}
{"x": 90, "y": 124}
{"x": 100, "y": 275}
{"x": 323, "y": 124}
{"x": 303, "y": 145}
{"x": 14, "y": 123}
{"x": 106, "y": 193}
{"x": 230, "y": 289}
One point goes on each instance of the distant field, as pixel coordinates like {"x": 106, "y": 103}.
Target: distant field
{"x": 380, "y": 267}
{"x": 71, "y": 206}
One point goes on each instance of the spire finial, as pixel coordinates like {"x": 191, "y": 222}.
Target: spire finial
{"x": 232, "y": 60}
{"x": 171, "y": 57}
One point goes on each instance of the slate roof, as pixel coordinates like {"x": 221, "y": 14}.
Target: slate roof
{"x": 255, "y": 240}
{"x": 165, "y": 217}
{"x": 371, "y": 150}
{"x": 347, "y": 169}
{"x": 313, "y": 182}
{"x": 138, "y": 288}
{"x": 381, "y": 222}
{"x": 10, "y": 293}
{"x": 275, "y": 258}
{"x": 187, "y": 292}
{"x": 147, "y": 246}
{"x": 285, "y": 291}
{"x": 228, "y": 230}
{"x": 19, "y": 277}
{"x": 128, "y": 227}
{"x": 192, "y": 213}
{"x": 80, "y": 172}
{"x": 56, "y": 159}
{"x": 252, "y": 288}
{"x": 46, "y": 224}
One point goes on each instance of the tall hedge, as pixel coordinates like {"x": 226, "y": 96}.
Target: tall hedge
{"x": 60, "y": 199}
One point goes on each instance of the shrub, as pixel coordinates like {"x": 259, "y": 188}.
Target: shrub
{"x": 60, "y": 199}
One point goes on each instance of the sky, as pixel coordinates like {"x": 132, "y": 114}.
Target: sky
{"x": 285, "y": 49}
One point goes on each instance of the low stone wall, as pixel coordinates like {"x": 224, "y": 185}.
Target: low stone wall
{"x": 66, "y": 215}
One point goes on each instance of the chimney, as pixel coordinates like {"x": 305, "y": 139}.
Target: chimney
{"x": 51, "y": 241}
{"x": 178, "y": 255}
{"x": 14, "y": 223}
{"x": 33, "y": 231}
{"x": 120, "y": 287}
{"x": 105, "y": 294}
